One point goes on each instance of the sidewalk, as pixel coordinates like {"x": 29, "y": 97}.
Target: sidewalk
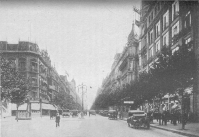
{"x": 191, "y": 129}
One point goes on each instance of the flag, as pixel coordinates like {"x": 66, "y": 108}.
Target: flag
{"x": 138, "y": 23}
{"x": 136, "y": 10}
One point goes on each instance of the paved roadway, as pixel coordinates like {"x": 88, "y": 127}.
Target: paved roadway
{"x": 94, "y": 126}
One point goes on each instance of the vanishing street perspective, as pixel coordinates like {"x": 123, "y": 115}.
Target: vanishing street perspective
{"x": 99, "y": 68}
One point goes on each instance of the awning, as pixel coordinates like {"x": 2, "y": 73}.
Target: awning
{"x": 48, "y": 107}
{"x": 35, "y": 106}
{"x": 21, "y": 107}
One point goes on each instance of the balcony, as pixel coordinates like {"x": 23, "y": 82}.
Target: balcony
{"x": 175, "y": 39}
{"x": 151, "y": 59}
{"x": 34, "y": 70}
{"x": 185, "y": 30}
{"x": 43, "y": 75}
{"x": 144, "y": 64}
{"x": 175, "y": 15}
{"x": 143, "y": 50}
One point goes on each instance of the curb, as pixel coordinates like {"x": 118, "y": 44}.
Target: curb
{"x": 171, "y": 130}
{"x": 175, "y": 131}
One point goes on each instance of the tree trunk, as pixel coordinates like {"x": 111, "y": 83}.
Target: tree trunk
{"x": 17, "y": 111}
{"x": 183, "y": 111}
{"x": 160, "y": 107}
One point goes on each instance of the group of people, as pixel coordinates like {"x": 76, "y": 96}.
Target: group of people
{"x": 174, "y": 117}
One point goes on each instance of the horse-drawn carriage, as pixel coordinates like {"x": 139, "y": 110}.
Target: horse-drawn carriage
{"x": 138, "y": 119}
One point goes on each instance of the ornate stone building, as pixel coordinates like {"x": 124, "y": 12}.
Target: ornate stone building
{"x": 168, "y": 24}
{"x": 35, "y": 64}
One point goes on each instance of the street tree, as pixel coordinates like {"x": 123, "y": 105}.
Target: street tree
{"x": 15, "y": 86}
{"x": 62, "y": 100}
{"x": 174, "y": 72}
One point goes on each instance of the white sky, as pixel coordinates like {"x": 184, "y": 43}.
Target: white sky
{"x": 81, "y": 38}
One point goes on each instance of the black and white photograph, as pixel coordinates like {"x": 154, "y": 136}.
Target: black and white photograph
{"x": 99, "y": 68}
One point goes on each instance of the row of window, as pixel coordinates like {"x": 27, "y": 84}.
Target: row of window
{"x": 175, "y": 13}
{"x": 155, "y": 49}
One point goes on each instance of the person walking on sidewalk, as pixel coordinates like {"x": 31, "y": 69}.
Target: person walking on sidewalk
{"x": 57, "y": 119}
{"x": 175, "y": 115}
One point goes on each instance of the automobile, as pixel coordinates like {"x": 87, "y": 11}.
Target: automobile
{"x": 105, "y": 113}
{"x": 92, "y": 112}
{"x": 138, "y": 119}
{"x": 74, "y": 113}
{"x": 112, "y": 114}
{"x": 66, "y": 113}
{"x": 101, "y": 112}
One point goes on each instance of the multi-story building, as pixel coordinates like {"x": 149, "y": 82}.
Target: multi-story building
{"x": 30, "y": 62}
{"x": 124, "y": 68}
{"x": 35, "y": 64}
{"x": 166, "y": 24}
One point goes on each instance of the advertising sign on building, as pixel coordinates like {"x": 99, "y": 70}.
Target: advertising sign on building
{"x": 128, "y": 102}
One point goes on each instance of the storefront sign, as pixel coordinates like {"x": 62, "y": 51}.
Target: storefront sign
{"x": 128, "y": 102}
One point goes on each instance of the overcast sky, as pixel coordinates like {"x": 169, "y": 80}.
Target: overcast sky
{"x": 81, "y": 38}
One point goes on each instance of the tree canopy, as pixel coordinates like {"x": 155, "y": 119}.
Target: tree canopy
{"x": 15, "y": 86}
{"x": 170, "y": 73}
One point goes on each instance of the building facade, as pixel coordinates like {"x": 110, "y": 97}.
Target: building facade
{"x": 35, "y": 64}
{"x": 168, "y": 24}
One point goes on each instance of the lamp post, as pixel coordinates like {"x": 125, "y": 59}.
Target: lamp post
{"x": 0, "y": 85}
{"x": 82, "y": 86}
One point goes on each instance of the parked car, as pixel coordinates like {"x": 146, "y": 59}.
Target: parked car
{"x": 92, "y": 112}
{"x": 138, "y": 119}
{"x": 105, "y": 113}
{"x": 66, "y": 113}
{"x": 112, "y": 114}
{"x": 74, "y": 113}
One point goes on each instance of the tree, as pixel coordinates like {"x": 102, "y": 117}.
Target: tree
{"x": 63, "y": 100}
{"x": 15, "y": 87}
{"x": 175, "y": 72}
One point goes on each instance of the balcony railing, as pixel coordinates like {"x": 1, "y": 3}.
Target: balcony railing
{"x": 33, "y": 69}
{"x": 144, "y": 64}
{"x": 185, "y": 30}
{"x": 143, "y": 50}
{"x": 175, "y": 15}
{"x": 175, "y": 39}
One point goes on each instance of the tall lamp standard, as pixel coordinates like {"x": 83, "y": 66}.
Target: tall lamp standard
{"x": 0, "y": 83}
{"x": 82, "y": 86}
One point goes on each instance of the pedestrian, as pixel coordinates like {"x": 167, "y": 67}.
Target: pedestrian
{"x": 175, "y": 115}
{"x": 119, "y": 113}
{"x": 165, "y": 117}
{"x": 57, "y": 120}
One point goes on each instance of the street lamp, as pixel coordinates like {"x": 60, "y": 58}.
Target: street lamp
{"x": 0, "y": 83}
{"x": 82, "y": 93}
